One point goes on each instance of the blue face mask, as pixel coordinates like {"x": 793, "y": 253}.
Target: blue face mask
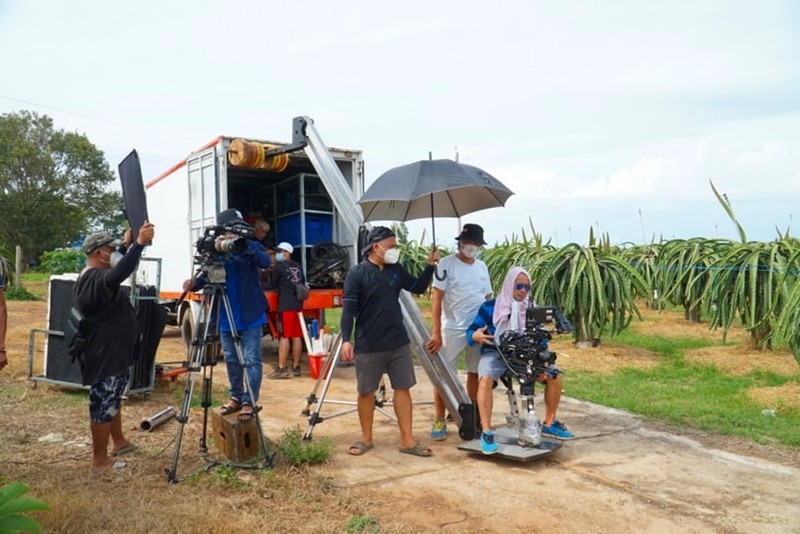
{"x": 279, "y": 257}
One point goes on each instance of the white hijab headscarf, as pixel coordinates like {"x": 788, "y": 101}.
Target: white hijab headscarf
{"x": 505, "y": 304}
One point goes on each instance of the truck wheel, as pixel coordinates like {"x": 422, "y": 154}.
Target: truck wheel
{"x": 187, "y": 330}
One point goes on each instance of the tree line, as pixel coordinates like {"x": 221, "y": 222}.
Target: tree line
{"x": 55, "y": 186}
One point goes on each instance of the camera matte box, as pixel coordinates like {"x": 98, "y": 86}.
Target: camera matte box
{"x": 236, "y": 440}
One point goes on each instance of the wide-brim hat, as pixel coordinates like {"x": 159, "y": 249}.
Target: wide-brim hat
{"x": 472, "y": 232}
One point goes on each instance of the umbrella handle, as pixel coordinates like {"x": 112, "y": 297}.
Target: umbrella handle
{"x": 436, "y": 273}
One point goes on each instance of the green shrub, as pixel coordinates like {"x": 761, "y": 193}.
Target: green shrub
{"x": 63, "y": 261}
{"x": 12, "y": 293}
{"x": 292, "y": 447}
{"x": 13, "y": 508}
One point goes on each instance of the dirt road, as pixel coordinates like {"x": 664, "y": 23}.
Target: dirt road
{"x": 621, "y": 474}
{"x": 618, "y": 475}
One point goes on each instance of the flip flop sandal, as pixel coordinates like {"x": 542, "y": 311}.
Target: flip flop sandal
{"x": 359, "y": 447}
{"x": 247, "y": 412}
{"x": 130, "y": 447}
{"x": 230, "y": 407}
{"x": 417, "y": 450}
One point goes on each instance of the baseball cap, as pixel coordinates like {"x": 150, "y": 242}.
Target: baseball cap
{"x": 99, "y": 239}
{"x": 230, "y": 216}
{"x": 284, "y": 246}
{"x": 376, "y": 234}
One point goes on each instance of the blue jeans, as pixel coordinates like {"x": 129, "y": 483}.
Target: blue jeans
{"x": 251, "y": 347}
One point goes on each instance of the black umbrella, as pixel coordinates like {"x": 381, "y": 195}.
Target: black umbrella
{"x": 432, "y": 188}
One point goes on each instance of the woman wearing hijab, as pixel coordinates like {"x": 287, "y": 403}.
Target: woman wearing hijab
{"x": 507, "y": 312}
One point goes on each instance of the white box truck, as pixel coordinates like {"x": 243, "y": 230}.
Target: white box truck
{"x": 303, "y": 189}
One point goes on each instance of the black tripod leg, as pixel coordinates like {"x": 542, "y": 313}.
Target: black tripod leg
{"x": 208, "y": 375}
{"x": 197, "y": 357}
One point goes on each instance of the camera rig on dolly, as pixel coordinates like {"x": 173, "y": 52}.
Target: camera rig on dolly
{"x": 528, "y": 358}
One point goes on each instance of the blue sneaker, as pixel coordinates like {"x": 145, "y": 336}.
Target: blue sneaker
{"x": 488, "y": 446}
{"x": 557, "y": 430}
{"x": 439, "y": 430}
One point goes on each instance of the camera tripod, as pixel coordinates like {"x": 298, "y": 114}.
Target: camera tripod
{"x": 206, "y": 335}
{"x": 324, "y": 380}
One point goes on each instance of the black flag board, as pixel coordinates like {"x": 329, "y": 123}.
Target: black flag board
{"x": 130, "y": 176}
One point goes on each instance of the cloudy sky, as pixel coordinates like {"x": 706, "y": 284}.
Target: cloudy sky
{"x": 613, "y": 115}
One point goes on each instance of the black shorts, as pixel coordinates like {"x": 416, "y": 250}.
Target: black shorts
{"x": 397, "y": 363}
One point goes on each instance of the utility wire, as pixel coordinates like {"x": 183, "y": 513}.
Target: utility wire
{"x": 107, "y": 121}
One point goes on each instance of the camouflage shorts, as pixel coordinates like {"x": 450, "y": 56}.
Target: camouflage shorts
{"x": 105, "y": 397}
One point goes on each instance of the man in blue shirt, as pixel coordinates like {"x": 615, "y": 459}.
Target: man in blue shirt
{"x": 249, "y": 306}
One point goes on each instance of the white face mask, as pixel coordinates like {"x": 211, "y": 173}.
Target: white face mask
{"x": 391, "y": 256}
{"x": 114, "y": 259}
{"x": 470, "y": 251}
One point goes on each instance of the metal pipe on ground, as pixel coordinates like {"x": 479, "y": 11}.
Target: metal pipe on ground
{"x": 158, "y": 419}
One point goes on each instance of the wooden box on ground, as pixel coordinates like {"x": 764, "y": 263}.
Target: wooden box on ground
{"x": 238, "y": 441}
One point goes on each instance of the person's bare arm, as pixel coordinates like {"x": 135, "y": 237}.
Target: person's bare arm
{"x": 435, "y": 341}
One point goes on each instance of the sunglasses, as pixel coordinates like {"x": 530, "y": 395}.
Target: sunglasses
{"x": 526, "y": 287}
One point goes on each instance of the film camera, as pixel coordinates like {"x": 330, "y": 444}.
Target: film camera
{"x": 527, "y": 354}
{"x": 218, "y": 241}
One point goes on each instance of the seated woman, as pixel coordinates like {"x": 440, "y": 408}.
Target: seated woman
{"x": 507, "y": 312}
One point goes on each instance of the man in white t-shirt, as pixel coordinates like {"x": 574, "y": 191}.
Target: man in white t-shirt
{"x": 456, "y": 301}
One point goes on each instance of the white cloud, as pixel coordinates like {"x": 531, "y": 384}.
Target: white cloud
{"x": 588, "y": 111}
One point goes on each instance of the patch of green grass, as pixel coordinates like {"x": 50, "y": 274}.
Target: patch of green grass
{"x": 298, "y": 452}
{"x": 333, "y": 317}
{"x": 362, "y": 524}
{"x": 696, "y": 396}
{"x": 66, "y": 397}
{"x": 669, "y": 347}
{"x": 33, "y": 286}
{"x": 225, "y": 475}
{"x": 14, "y": 389}
{"x": 13, "y": 293}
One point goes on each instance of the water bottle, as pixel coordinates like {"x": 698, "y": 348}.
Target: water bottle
{"x": 530, "y": 432}
{"x": 314, "y": 329}
{"x": 769, "y": 412}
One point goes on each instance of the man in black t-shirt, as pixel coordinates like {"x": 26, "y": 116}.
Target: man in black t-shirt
{"x": 371, "y": 292}
{"x": 285, "y": 275}
{"x": 111, "y": 345}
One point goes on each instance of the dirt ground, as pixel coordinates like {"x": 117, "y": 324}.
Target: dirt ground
{"x": 621, "y": 473}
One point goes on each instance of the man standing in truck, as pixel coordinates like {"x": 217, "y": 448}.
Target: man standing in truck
{"x": 371, "y": 292}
